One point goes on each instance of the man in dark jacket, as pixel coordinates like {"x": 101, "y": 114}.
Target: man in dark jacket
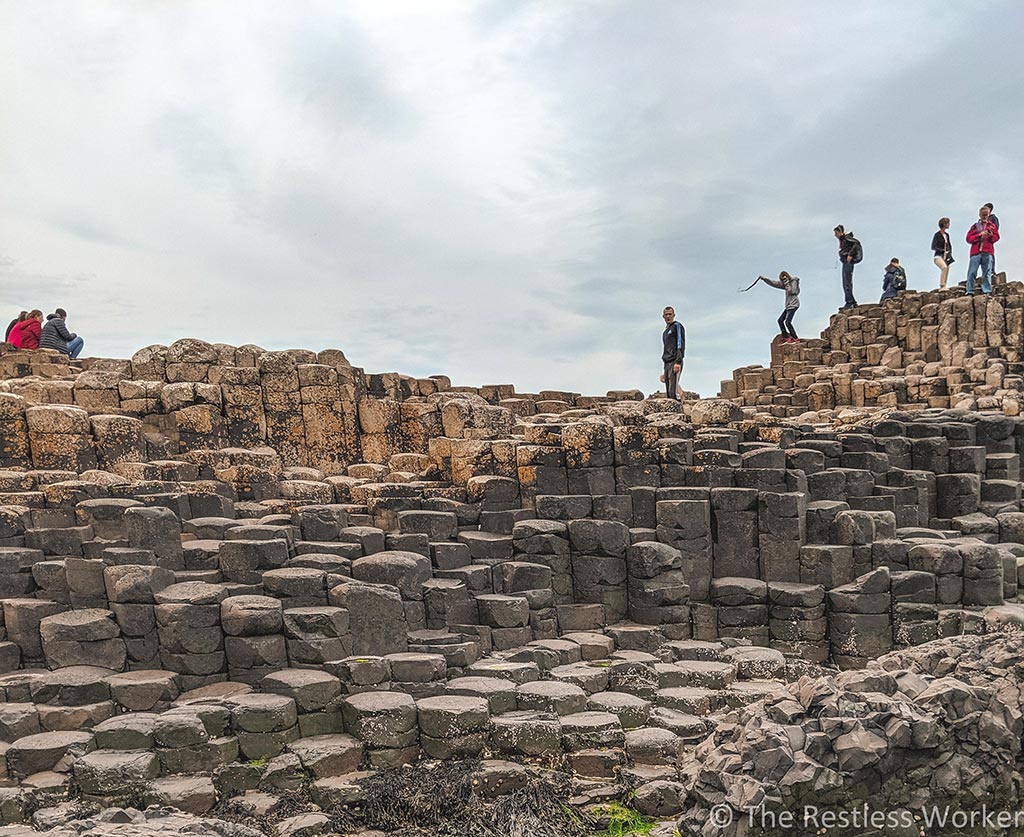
{"x": 55, "y": 335}
{"x": 850, "y": 253}
{"x": 673, "y": 348}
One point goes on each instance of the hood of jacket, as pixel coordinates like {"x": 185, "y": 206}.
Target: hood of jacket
{"x": 52, "y": 317}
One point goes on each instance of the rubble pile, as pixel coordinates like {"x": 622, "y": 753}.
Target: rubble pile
{"x": 916, "y": 729}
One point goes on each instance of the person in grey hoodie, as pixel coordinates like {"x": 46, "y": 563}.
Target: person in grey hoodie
{"x": 55, "y": 335}
{"x": 791, "y": 285}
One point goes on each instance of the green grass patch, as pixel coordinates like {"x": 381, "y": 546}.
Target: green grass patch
{"x": 622, "y": 821}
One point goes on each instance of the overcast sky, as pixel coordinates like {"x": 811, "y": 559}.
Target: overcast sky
{"x": 499, "y": 191}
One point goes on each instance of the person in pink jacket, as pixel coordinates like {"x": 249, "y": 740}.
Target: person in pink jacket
{"x": 982, "y": 236}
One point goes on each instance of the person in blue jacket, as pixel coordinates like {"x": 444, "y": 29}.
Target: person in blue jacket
{"x": 895, "y": 280}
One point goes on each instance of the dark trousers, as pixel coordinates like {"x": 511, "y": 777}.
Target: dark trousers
{"x": 671, "y": 378}
{"x": 848, "y": 283}
{"x": 786, "y": 322}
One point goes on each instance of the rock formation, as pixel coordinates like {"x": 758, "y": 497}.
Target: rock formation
{"x": 239, "y": 577}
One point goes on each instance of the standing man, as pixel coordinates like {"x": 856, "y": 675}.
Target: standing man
{"x": 850, "y": 253}
{"x": 995, "y": 220}
{"x": 673, "y": 341}
{"x": 982, "y": 236}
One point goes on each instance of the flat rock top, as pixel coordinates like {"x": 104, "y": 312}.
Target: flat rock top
{"x": 482, "y": 685}
{"x": 454, "y": 704}
{"x": 119, "y": 822}
{"x": 52, "y": 740}
{"x": 376, "y": 702}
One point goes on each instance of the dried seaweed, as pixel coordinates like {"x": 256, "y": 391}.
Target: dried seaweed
{"x": 440, "y": 802}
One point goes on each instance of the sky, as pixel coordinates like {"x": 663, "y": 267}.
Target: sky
{"x": 499, "y": 191}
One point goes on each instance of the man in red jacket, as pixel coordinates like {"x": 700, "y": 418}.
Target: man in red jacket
{"x": 982, "y": 236}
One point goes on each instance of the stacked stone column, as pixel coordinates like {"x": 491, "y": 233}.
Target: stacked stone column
{"x": 637, "y": 461}
{"x": 242, "y": 400}
{"x": 782, "y": 523}
{"x": 598, "y": 554}
{"x": 380, "y": 423}
{"x": 657, "y": 588}
{"x": 131, "y": 591}
{"x": 914, "y": 609}
{"x": 59, "y": 438}
{"x": 82, "y": 637}
{"x": 735, "y": 527}
{"x": 118, "y": 439}
{"x": 282, "y": 404}
{"x": 797, "y": 621}
{"x": 686, "y": 526}
{"x": 533, "y": 581}
{"x": 254, "y": 644}
{"x": 589, "y": 457}
{"x": 188, "y": 626}
{"x": 546, "y": 542}
{"x": 14, "y": 439}
{"x": 742, "y": 608}
{"x": 859, "y": 621}
{"x": 323, "y": 417}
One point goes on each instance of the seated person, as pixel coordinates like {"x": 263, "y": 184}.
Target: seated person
{"x": 55, "y": 335}
{"x": 895, "y": 280}
{"x": 29, "y": 330}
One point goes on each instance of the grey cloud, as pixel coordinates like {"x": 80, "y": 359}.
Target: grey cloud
{"x": 329, "y": 67}
{"x": 192, "y": 134}
{"x": 333, "y": 182}
{"x": 87, "y": 228}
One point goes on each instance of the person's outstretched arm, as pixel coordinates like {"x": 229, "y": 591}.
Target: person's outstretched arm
{"x": 773, "y": 282}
